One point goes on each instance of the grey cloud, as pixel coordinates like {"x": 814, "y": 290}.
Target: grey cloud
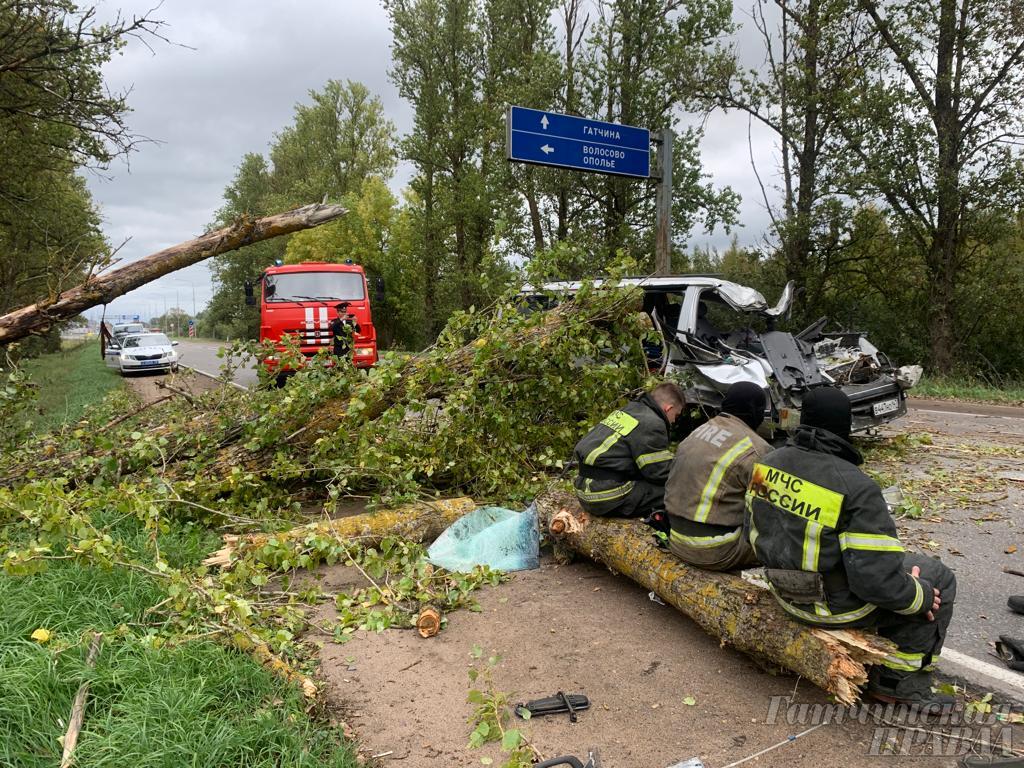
{"x": 248, "y": 64}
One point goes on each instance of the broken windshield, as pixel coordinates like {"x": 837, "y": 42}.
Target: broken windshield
{"x": 314, "y": 286}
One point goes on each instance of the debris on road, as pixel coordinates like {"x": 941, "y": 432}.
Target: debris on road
{"x": 428, "y": 623}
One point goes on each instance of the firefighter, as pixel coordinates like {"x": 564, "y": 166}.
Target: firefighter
{"x": 825, "y": 536}
{"x": 704, "y": 495}
{"x": 343, "y": 327}
{"x": 624, "y": 461}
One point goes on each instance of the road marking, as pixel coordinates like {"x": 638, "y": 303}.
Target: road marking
{"x": 961, "y": 413}
{"x": 1009, "y": 677}
{"x": 215, "y": 378}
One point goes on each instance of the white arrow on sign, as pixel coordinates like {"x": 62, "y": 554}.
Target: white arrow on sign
{"x": 547, "y": 150}
{"x": 544, "y": 122}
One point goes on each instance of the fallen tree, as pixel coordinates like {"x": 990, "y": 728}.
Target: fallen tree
{"x": 724, "y": 605}
{"x": 101, "y": 289}
{"x": 489, "y": 410}
{"x": 421, "y": 522}
{"x": 739, "y": 613}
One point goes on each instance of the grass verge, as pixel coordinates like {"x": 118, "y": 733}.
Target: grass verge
{"x": 193, "y": 703}
{"x": 971, "y": 390}
{"x": 69, "y": 381}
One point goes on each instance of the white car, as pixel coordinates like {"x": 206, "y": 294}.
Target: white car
{"x": 147, "y": 352}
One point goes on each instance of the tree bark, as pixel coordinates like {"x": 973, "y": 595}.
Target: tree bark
{"x": 726, "y": 606}
{"x": 101, "y": 289}
{"x": 421, "y": 522}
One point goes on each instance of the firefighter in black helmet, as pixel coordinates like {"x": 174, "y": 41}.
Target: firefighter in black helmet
{"x": 825, "y": 536}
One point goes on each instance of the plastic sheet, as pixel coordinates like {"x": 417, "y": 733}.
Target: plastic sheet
{"x": 500, "y": 538}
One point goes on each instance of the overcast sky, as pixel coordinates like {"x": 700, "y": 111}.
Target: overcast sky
{"x": 236, "y": 84}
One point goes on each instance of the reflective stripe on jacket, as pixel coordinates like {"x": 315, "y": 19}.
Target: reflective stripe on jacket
{"x": 711, "y": 471}
{"x": 629, "y": 444}
{"x": 810, "y": 508}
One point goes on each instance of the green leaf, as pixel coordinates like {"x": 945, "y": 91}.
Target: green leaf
{"x": 511, "y": 740}
{"x": 689, "y": 701}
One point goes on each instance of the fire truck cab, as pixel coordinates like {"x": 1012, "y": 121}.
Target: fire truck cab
{"x": 300, "y": 300}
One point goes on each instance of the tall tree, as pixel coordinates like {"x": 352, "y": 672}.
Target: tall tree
{"x": 638, "y": 69}
{"x": 800, "y": 92}
{"x": 56, "y": 115}
{"x": 937, "y": 136}
{"x": 337, "y": 141}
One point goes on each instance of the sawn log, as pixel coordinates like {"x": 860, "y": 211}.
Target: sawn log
{"x": 726, "y": 606}
{"x": 101, "y": 289}
{"x": 420, "y": 522}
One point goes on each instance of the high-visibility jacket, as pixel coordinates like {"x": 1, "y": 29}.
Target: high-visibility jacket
{"x": 710, "y": 475}
{"x": 809, "y": 508}
{"x": 629, "y": 445}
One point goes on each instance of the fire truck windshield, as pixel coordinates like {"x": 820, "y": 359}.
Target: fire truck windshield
{"x": 313, "y": 286}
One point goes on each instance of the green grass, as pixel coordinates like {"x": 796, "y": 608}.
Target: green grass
{"x": 195, "y": 704}
{"x": 68, "y": 381}
{"x": 973, "y": 390}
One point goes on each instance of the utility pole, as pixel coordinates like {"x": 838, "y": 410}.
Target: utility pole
{"x": 663, "y": 204}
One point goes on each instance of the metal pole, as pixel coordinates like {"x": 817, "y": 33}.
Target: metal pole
{"x": 663, "y": 205}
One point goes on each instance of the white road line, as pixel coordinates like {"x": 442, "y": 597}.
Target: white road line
{"x": 1009, "y": 677}
{"x": 215, "y": 378}
{"x": 961, "y": 413}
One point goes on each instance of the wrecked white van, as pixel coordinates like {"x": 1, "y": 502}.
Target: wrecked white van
{"x": 714, "y": 333}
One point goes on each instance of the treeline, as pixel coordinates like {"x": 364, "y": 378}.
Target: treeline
{"x": 894, "y": 192}
{"x": 894, "y": 189}
{"x": 56, "y": 118}
{"x": 468, "y": 219}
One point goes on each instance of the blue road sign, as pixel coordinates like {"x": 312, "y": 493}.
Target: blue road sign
{"x": 565, "y": 141}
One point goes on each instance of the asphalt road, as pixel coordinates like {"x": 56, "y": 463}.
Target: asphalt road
{"x": 201, "y": 356}
{"x": 970, "y": 483}
{"x": 976, "y": 534}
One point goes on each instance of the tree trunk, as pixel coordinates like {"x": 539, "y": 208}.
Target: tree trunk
{"x": 421, "y": 522}
{"x": 726, "y": 606}
{"x": 945, "y": 246}
{"x": 101, "y": 289}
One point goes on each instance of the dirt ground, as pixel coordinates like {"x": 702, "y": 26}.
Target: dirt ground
{"x": 148, "y": 387}
{"x": 582, "y": 629}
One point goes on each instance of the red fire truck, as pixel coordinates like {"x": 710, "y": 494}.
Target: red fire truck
{"x": 300, "y": 300}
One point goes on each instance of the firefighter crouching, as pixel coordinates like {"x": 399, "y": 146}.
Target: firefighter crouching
{"x": 828, "y": 543}
{"x": 707, "y": 485}
{"x": 624, "y": 461}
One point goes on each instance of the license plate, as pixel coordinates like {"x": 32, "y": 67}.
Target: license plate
{"x": 150, "y": 362}
{"x": 886, "y": 406}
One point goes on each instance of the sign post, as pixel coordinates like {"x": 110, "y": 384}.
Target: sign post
{"x": 576, "y": 143}
{"x": 663, "y": 205}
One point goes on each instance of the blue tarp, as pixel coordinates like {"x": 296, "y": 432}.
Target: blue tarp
{"x": 494, "y": 536}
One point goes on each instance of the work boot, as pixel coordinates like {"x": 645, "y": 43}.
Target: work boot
{"x": 912, "y": 690}
{"x": 1016, "y": 603}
